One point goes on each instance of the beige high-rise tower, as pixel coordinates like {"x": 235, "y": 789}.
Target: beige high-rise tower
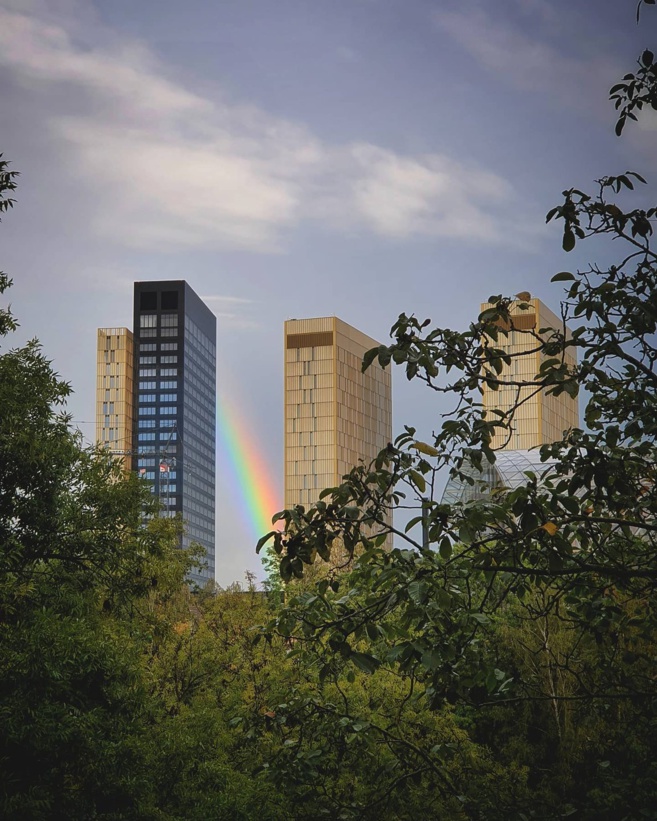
{"x": 335, "y": 415}
{"x": 114, "y": 391}
{"x": 541, "y": 418}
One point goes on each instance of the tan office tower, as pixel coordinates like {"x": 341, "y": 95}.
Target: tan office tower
{"x": 542, "y": 418}
{"x": 114, "y": 392}
{"x": 335, "y": 415}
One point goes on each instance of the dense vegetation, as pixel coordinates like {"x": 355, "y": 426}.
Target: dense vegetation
{"x": 500, "y": 665}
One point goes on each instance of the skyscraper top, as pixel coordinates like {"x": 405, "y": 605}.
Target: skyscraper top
{"x": 540, "y": 418}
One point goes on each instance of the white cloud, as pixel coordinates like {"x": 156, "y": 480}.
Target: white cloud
{"x": 401, "y": 196}
{"x": 531, "y": 62}
{"x": 225, "y": 298}
{"x": 170, "y": 168}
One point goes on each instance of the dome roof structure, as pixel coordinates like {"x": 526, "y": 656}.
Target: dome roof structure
{"x": 507, "y": 472}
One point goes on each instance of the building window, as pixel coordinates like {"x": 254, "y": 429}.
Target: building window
{"x": 169, "y": 300}
{"x": 147, "y": 332}
{"x": 146, "y": 437}
{"x": 148, "y": 300}
{"x": 147, "y": 372}
{"x": 147, "y": 411}
{"x": 167, "y": 435}
{"x": 168, "y": 397}
{"x": 173, "y": 383}
{"x": 147, "y": 397}
{"x": 147, "y": 423}
{"x": 168, "y": 372}
{"x": 168, "y": 410}
{"x": 147, "y": 346}
{"x": 147, "y": 386}
{"x": 169, "y": 346}
{"x": 169, "y": 321}
{"x": 168, "y": 360}
{"x": 147, "y": 360}
{"x": 148, "y": 321}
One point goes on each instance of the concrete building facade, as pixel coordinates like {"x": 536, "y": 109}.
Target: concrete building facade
{"x": 541, "y": 418}
{"x": 335, "y": 415}
{"x": 115, "y": 391}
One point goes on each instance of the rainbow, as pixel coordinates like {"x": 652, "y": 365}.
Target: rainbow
{"x": 258, "y": 495}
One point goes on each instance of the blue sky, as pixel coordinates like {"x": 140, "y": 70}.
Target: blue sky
{"x": 299, "y": 158}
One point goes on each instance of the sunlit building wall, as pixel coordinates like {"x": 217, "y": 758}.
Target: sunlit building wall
{"x": 335, "y": 415}
{"x": 541, "y": 418}
{"x": 115, "y": 392}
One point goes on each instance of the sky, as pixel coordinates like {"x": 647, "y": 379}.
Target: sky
{"x": 301, "y": 158}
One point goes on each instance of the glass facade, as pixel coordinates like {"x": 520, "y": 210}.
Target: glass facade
{"x": 541, "y": 418}
{"x": 175, "y": 362}
{"x": 335, "y": 416}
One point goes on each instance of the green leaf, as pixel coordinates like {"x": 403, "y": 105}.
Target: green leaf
{"x": 445, "y": 549}
{"x": 262, "y": 541}
{"x": 369, "y": 357}
{"x": 419, "y": 480}
{"x": 417, "y": 592}
{"x": 562, "y": 276}
{"x": 428, "y": 450}
{"x": 368, "y": 664}
{"x": 414, "y": 521}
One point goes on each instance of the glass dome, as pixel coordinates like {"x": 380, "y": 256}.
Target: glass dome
{"x": 508, "y": 472}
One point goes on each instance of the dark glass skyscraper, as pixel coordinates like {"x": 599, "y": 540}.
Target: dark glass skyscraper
{"x": 175, "y": 406}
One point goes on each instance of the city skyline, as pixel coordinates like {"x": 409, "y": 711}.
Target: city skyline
{"x": 356, "y": 158}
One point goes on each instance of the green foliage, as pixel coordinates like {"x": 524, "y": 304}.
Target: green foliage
{"x": 7, "y": 184}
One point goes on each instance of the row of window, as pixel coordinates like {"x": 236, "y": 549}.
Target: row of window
{"x": 153, "y": 372}
{"x": 164, "y": 411}
{"x": 152, "y": 360}
{"x": 152, "y": 397}
{"x": 150, "y": 320}
{"x": 149, "y": 333}
{"x": 150, "y": 475}
{"x": 166, "y": 385}
{"x": 145, "y": 347}
{"x": 163, "y": 436}
{"x": 152, "y": 423}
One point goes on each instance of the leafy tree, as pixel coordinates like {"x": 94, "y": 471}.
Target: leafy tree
{"x": 530, "y": 612}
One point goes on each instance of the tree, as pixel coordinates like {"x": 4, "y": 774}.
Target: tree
{"x": 539, "y": 600}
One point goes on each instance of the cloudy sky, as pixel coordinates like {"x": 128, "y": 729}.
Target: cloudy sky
{"x": 298, "y": 158}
